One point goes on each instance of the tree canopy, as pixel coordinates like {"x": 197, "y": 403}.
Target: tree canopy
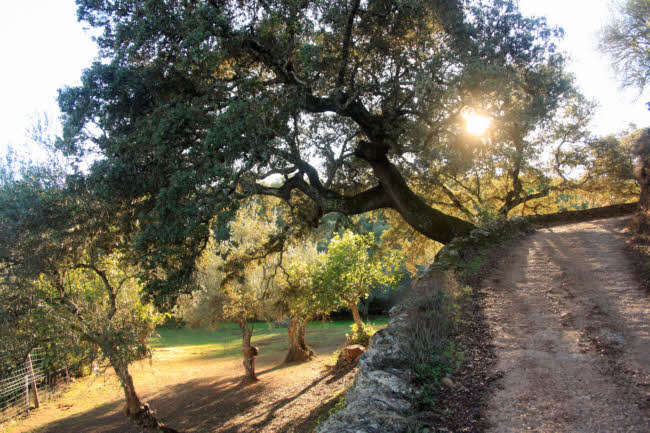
{"x": 352, "y": 266}
{"x": 626, "y": 40}
{"x": 64, "y": 279}
{"x": 195, "y": 105}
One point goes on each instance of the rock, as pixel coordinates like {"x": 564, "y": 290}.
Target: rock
{"x": 386, "y": 382}
{"x": 381, "y": 399}
{"x": 612, "y": 337}
{"x": 447, "y": 382}
{"x": 351, "y": 353}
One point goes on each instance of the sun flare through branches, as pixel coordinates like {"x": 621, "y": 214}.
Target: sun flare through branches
{"x": 476, "y": 124}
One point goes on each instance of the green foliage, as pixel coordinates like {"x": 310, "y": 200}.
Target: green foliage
{"x": 360, "y": 334}
{"x": 471, "y": 268}
{"x": 429, "y": 373}
{"x": 296, "y": 286}
{"x": 119, "y": 326}
{"x": 351, "y": 267}
{"x": 440, "y": 364}
{"x": 486, "y": 214}
{"x": 339, "y": 405}
{"x": 235, "y": 284}
{"x": 626, "y": 40}
{"x": 62, "y": 254}
{"x": 193, "y": 105}
{"x": 433, "y": 350}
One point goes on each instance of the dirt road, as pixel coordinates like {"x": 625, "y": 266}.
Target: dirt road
{"x": 571, "y": 330}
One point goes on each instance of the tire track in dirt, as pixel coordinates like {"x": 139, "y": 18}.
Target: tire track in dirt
{"x": 571, "y": 333}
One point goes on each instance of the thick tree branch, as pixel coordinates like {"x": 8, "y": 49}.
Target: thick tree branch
{"x": 327, "y": 201}
{"x": 428, "y": 221}
{"x": 345, "y": 50}
{"x": 516, "y": 201}
{"x": 449, "y": 193}
{"x": 112, "y": 295}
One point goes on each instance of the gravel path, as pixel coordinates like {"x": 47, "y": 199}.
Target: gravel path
{"x": 571, "y": 332}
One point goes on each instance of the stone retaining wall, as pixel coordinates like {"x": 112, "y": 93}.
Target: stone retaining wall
{"x": 586, "y": 214}
{"x": 382, "y": 396}
{"x": 380, "y": 399}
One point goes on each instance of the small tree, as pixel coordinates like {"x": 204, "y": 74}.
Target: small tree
{"x": 234, "y": 282}
{"x": 59, "y": 249}
{"x": 101, "y": 302}
{"x": 351, "y": 267}
{"x": 296, "y": 297}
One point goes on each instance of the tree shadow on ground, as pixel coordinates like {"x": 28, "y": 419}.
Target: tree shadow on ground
{"x": 204, "y": 405}
{"x": 187, "y": 407}
{"x": 329, "y": 377}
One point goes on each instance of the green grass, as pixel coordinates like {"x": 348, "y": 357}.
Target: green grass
{"x": 226, "y": 340}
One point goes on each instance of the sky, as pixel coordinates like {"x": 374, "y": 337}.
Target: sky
{"x": 581, "y": 21}
{"x": 44, "y": 48}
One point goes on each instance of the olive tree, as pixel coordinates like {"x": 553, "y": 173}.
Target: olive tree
{"x": 295, "y": 296}
{"x": 101, "y": 302}
{"x": 349, "y": 270}
{"x": 234, "y": 282}
{"x": 60, "y": 249}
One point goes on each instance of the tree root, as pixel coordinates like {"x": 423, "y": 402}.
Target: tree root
{"x": 147, "y": 421}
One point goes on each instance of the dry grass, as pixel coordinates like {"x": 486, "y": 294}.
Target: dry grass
{"x": 192, "y": 382}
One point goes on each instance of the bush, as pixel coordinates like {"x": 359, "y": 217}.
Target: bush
{"x": 360, "y": 335}
{"x": 433, "y": 315}
{"x": 431, "y": 326}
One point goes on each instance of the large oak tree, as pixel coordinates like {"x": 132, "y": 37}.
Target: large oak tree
{"x": 194, "y": 105}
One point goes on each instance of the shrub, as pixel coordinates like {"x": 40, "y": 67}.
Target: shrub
{"x": 431, "y": 325}
{"x": 360, "y": 335}
{"x": 433, "y": 314}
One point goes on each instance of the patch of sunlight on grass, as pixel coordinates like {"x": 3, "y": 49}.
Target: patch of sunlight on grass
{"x": 174, "y": 342}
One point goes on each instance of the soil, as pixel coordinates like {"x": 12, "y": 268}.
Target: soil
{"x": 571, "y": 334}
{"x": 203, "y": 394}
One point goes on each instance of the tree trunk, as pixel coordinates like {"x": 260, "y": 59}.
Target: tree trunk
{"x": 355, "y": 315}
{"x": 249, "y": 353}
{"x": 392, "y": 193}
{"x": 430, "y": 222}
{"x": 298, "y": 349}
{"x": 138, "y": 412}
{"x": 642, "y": 172}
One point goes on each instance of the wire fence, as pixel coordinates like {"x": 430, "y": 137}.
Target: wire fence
{"x": 28, "y": 386}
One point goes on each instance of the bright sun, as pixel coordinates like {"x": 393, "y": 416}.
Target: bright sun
{"x": 476, "y": 124}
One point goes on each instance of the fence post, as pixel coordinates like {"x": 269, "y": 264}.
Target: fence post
{"x": 32, "y": 379}
{"x": 26, "y": 391}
